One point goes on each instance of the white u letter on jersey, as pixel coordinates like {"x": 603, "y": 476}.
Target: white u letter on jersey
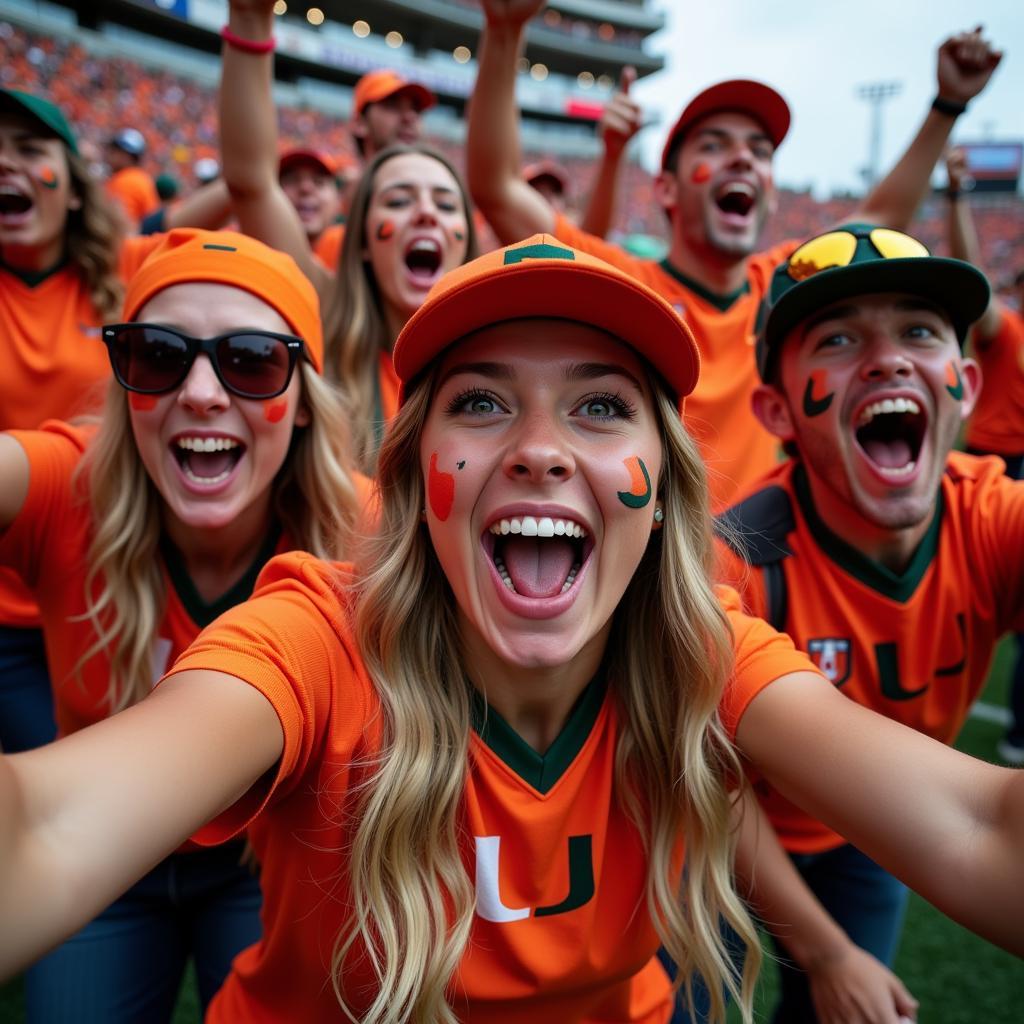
{"x": 488, "y": 893}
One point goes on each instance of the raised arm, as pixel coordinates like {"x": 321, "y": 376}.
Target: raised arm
{"x": 83, "y": 818}
{"x": 248, "y": 141}
{"x": 963, "y": 240}
{"x": 846, "y": 982}
{"x": 948, "y": 825}
{"x": 493, "y": 158}
{"x": 965, "y": 65}
{"x": 619, "y": 123}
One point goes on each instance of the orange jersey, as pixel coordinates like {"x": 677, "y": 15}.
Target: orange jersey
{"x": 560, "y": 933}
{"x": 327, "y": 247}
{"x": 135, "y": 191}
{"x": 55, "y": 366}
{"x": 48, "y": 543}
{"x": 914, "y": 647}
{"x": 997, "y": 424}
{"x": 735, "y": 447}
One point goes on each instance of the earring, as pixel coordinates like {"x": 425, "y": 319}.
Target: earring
{"x": 423, "y": 514}
{"x": 659, "y": 515}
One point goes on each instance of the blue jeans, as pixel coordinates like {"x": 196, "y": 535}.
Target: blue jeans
{"x": 26, "y": 701}
{"x": 126, "y": 966}
{"x": 867, "y": 902}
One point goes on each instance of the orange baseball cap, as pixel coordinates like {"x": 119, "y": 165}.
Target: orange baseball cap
{"x": 298, "y": 155}
{"x": 542, "y": 276}
{"x": 378, "y": 85}
{"x": 226, "y": 257}
{"x": 758, "y": 100}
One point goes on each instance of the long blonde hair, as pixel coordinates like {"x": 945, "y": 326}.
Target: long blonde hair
{"x": 670, "y": 654}
{"x": 314, "y": 499}
{"x": 355, "y": 331}
{"x": 94, "y": 233}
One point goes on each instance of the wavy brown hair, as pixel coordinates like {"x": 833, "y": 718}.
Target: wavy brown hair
{"x": 355, "y": 331}
{"x": 94, "y": 233}
{"x": 670, "y": 653}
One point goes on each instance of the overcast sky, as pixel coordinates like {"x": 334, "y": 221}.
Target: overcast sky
{"x": 816, "y": 54}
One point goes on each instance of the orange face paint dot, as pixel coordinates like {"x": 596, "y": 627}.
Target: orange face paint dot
{"x": 440, "y": 490}
{"x": 701, "y": 173}
{"x": 385, "y": 230}
{"x": 273, "y": 411}
{"x": 142, "y": 403}
{"x": 48, "y": 177}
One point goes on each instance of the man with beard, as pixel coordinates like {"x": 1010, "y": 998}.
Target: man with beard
{"x": 716, "y": 188}
{"x": 893, "y": 561}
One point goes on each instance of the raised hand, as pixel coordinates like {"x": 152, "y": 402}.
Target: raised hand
{"x": 511, "y": 12}
{"x": 965, "y": 64}
{"x": 622, "y": 116}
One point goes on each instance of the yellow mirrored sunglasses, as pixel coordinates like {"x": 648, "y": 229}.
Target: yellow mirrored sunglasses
{"x": 837, "y": 249}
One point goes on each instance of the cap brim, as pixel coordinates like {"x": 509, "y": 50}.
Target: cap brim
{"x": 758, "y": 100}
{"x": 953, "y": 285}
{"x": 561, "y": 290}
{"x": 303, "y": 156}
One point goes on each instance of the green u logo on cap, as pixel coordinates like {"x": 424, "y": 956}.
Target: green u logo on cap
{"x": 538, "y": 251}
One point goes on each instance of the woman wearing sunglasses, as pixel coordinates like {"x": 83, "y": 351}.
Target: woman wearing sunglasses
{"x": 409, "y": 223}
{"x": 476, "y": 754}
{"x": 222, "y": 446}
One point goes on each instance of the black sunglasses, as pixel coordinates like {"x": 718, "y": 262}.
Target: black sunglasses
{"x": 151, "y": 359}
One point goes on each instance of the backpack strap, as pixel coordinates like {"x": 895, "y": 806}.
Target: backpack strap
{"x": 756, "y": 530}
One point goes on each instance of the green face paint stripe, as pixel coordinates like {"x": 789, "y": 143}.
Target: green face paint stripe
{"x": 957, "y": 390}
{"x": 631, "y": 500}
{"x": 540, "y": 251}
{"x": 815, "y": 406}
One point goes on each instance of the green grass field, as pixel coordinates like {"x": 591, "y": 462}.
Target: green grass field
{"x": 957, "y": 977}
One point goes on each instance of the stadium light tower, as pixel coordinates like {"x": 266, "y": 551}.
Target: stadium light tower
{"x": 876, "y": 93}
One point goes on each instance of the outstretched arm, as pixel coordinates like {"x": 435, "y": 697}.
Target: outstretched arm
{"x": 493, "y": 158}
{"x": 963, "y": 241}
{"x": 209, "y": 206}
{"x": 248, "y": 141}
{"x": 965, "y": 65}
{"x": 619, "y": 123}
{"x": 83, "y": 818}
{"x": 847, "y": 983}
{"x": 948, "y": 825}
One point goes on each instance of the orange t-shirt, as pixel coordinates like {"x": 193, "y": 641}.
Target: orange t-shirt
{"x": 914, "y": 647}
{"x": 327, "y": 247}
{"x": 47, "y": 545}
{"x": 997, "y": 424}
{"x": 55, "y": 366}
{"x": 136, "y": 191}
{"x": 735, "y": 447}
{"x": 560, "y": 933}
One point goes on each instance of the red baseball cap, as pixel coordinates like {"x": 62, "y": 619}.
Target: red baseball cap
{"x": 378, "y": 85}
{"x": 542, "y": 277}
{"x": 758, "y": 100}
{"x": 226, "y": 257}
{"x": 298, "y": 155}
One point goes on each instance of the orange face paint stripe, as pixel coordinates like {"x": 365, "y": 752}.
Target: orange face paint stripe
{"x": 954, "y": 384}
{"x": 700, "y": 174}
{"x": 274, "y": 410}
{"x": 142, "y": 403}
{"x": 640, "y": 490}
{"x": 440, "y": 490}
{"x": 47, "y": 177}
{"x": 385, "y": 230}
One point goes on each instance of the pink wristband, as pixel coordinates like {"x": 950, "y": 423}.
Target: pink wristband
{"x": 247, "y": 45}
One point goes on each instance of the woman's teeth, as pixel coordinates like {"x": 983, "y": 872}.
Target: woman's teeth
{"x": 528, "y": 526}
{"x": 206, "y": 444}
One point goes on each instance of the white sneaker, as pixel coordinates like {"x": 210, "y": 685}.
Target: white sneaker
{"x": 1011, "y": 753}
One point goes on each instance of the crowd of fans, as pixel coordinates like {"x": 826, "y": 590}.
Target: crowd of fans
{"x": 178, "y": 118}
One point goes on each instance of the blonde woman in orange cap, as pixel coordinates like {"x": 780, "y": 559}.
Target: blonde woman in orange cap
{"x": 480, "y": 754}
{"x": 220, "y": 446}
{"x": 408, "y": 223}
